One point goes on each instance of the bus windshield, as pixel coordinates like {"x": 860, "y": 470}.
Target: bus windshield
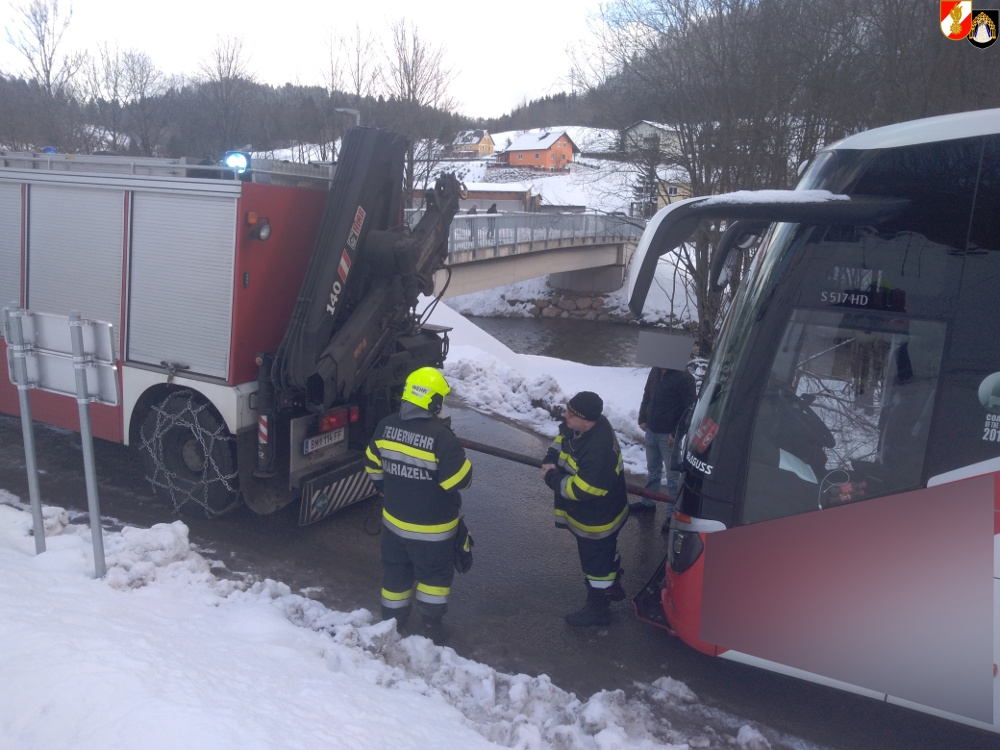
{"x": 848, "y": 340}
{"x": 845, "y": 413}
{"x": 840, "y": 340}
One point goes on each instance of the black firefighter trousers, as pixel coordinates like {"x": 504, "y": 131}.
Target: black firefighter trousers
{"x": 430, "y": 565}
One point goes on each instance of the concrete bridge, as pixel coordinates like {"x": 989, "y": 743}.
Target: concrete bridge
{"x": 582, "y": 252}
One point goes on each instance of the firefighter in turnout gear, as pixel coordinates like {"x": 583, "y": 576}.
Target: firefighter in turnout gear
{"x": 583, "y": 466}
{"x": 420, "y": 466}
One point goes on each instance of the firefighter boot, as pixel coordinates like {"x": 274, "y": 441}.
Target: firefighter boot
{"x": 595, "y": 612}
{"x": 433, "y": 628}
{"x": 401, "y": 614}
{"x": 616, "y": 592}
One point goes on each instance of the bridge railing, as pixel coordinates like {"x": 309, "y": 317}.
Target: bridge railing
{"x": 472, "y": 232}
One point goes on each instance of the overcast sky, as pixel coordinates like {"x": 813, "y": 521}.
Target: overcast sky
{"x": 502, "y": 53}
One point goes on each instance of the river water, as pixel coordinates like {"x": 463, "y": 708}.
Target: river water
{"x": 585, "y": 341}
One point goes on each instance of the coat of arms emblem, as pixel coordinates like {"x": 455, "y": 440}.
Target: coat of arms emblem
{"x": 983, "y": 30}
{"x": 956, "y": 18}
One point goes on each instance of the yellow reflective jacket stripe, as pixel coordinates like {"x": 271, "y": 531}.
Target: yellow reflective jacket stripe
{"x": 457, "y": 477}
{"x": 417, "y": 528}
{"x": 576, "y": 481}
{"x": 568, "y": 461}
{"x": 598, "y": 529}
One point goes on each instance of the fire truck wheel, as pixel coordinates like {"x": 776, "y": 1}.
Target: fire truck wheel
{"x": 190, "y": 456}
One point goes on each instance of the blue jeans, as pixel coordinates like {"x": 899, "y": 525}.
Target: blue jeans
{"x": 658, "y": 451}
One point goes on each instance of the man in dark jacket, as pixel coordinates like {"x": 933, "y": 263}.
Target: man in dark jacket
{"x": 667, "y": 395}
{"x": 420, "y": 466}
{"x": 491, "y": 221}
{"x": 583, "y": 466}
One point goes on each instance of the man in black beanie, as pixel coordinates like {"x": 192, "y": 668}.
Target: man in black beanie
{"x": 583, "y": 466}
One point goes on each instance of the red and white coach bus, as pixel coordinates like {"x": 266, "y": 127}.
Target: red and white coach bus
{"x": 841, "y": 505}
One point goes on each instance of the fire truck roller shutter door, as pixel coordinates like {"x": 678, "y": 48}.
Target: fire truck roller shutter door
{"x": 10, "y": 243}
{"x": 189, "y": 455}
{"x": 74, "y": 261}
{"x": 181, "y": 300}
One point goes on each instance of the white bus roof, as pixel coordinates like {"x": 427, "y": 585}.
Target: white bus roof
{"x": 927, "y": 130}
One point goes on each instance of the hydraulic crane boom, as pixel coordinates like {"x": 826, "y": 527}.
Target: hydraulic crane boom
{"x": 354, "y": 335}
{"x": 366, "y": 272}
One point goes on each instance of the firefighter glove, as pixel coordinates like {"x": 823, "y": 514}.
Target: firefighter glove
{"x": 463, "y": 548}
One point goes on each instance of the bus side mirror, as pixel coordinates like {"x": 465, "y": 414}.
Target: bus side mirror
{"x": 738, "y": 237}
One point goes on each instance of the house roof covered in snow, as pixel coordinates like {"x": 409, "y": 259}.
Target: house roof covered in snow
{"x": 539, "y": 140}
{"x": 651, "y": 124}
{"x": 471, "y": 137}
{"x": 498, "y": 187}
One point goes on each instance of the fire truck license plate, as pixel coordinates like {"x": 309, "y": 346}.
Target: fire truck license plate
{"x": 319, "y": 442}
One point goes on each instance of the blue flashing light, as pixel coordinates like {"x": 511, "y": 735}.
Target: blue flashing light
{"x": 238, "y": 161}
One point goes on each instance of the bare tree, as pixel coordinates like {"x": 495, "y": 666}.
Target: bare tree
{"x": 728, "y": 79}
{"x": 324, "y": 112}
{"x": 641, "y": 40}
{"x": 333, "y": 72}
{"x": 363, "y": 71}
{"x": 39, "y": 40}
{"x": 106, "y": 89}
{"x": 227, "y": 85}
{"x": 416, "y": 78}
{"x": 415, "y": 72}
{"x": 38, "y": 37}
{"x": 145, "y": 86}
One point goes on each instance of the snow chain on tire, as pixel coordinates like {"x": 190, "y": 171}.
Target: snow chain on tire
{"x": 181, "y": 418}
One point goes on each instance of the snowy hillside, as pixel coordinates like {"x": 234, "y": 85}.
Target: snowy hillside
{"x": 597, "y": 184}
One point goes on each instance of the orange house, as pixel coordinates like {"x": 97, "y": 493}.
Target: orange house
{"x": 544, "y": 150}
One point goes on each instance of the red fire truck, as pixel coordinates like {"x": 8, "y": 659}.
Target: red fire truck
{"x": 264, "y": 318}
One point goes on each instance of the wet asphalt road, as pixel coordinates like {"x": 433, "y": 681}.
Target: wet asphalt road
{"x": 507, "y": 611}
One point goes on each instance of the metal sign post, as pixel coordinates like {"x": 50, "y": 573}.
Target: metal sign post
{"x": 14, "y": 335}
{"x": 80, "y": 364}
{"x": 72, "y": 357}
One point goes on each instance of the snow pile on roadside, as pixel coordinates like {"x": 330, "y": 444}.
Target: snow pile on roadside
{"x": 163, "y": 654}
